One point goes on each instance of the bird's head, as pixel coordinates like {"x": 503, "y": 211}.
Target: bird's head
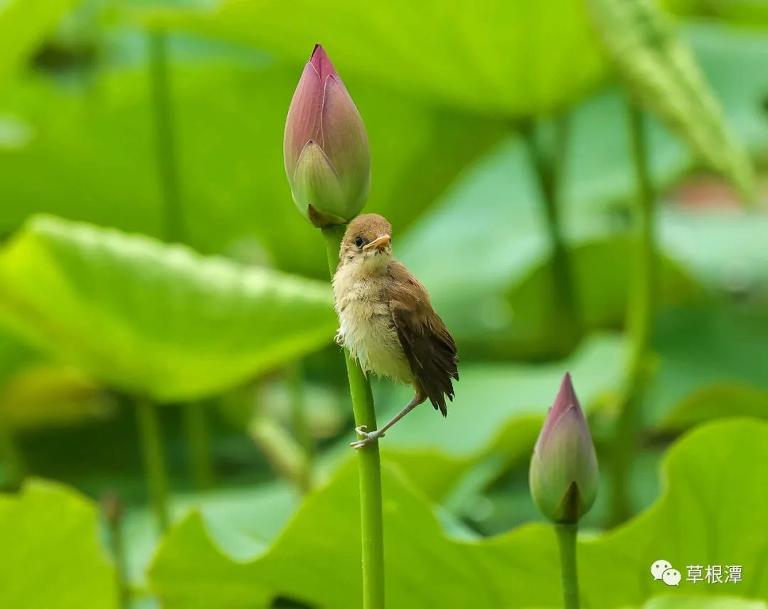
{"x": 368, "y": 243}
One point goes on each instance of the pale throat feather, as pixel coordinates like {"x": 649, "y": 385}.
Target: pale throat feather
{"x": 366, "y": 328}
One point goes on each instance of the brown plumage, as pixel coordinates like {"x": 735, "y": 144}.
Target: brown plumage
{"x": 429, "y": 347}
{"x": 387, "y": 321}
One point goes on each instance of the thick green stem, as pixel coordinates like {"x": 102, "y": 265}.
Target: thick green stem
{"x": 566, "y": 538}
{"x": 198, "y": 442}
{"x": 372, "y": 528}
{"x": 548, "y": 170}
{"x": 113, "y": 514}
{"x": 299, "y": 422}
{"x": 13, "y": 458}
{"x": 640, "y": 316}
{"x": 194, "y": 414}
{"x": 154, "y": 460}
{"x": 165, "y": 139}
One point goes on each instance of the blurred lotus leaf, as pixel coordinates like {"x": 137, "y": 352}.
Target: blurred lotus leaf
{"x": 660, "y": 69}
{"x": 512, "y": 570}
{"x": 23, "y": 26}
{"x": 95, "y": 140}
{"x": 679, "y": 601}
{"x": 711, "y": 364}
{"x": 499, "y": 300}
{"x": 51, "y": 534}
{"x": 153, "y": 318}
{"x": 44, "y": 394}
{"x": 481, "y": 57}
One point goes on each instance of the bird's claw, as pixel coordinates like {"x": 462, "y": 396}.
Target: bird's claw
{"x": 366, "y": 437}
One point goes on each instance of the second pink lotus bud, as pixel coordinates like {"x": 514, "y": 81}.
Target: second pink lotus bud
{"x": 564, "y": 473}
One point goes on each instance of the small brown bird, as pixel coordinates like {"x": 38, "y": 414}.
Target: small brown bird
{"x": 387, "y": 321}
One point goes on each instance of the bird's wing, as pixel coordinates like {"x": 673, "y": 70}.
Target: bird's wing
{"x": 429, "y": 347}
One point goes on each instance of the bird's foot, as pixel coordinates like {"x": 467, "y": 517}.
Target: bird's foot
{"x": 366, "y": 437}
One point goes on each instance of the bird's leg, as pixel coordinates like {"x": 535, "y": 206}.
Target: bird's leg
{"x": 366, "y": 437}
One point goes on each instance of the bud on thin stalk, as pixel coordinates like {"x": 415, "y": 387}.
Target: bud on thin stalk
{"x": 328, "y": 167}
{"x": 564, "y": 473}
{"x": 564, "y": 479}
{"x": 325, "y": 148}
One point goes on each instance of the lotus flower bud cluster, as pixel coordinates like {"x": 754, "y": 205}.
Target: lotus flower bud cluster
{"x": 326, "y": 147}
{"x": 564, "y": 473}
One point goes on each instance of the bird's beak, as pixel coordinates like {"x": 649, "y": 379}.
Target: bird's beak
{"x": 379, "y": 243}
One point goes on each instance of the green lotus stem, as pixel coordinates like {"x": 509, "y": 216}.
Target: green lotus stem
{"x": 566, "y": 538}
{"x": 113, "y": 515}
{"x": 14, "y": 459}
{"x": 548, "y": 170}
{"x": 198, "y": 440}
{"x": 165, "y": 139}
{"x": 372, "y": 528}
{"x": 299, "y": 422}
{"x": 154, "y": 460}
{"x": 640, "y": 316}
{"x": 194, "y": 414}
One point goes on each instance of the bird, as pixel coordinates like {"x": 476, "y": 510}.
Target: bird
{"x": 387, "y": 323}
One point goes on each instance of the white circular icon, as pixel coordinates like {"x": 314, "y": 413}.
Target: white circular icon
{"x": 658, "y": 568}
{"x": 671, "y": 577}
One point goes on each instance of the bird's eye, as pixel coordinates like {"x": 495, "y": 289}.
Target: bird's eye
{"x": 359, "y": 241}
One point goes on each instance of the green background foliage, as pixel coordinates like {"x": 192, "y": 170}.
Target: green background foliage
{"x": 155, "y": 319}
{"x": 50, "y": 536}
{"x": 518, "y": 569}
{"x": 236, "y": 321}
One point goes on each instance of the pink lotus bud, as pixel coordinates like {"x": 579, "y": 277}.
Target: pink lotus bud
{"x": 564, "y": 474}
{"x": 325, "y": 147}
